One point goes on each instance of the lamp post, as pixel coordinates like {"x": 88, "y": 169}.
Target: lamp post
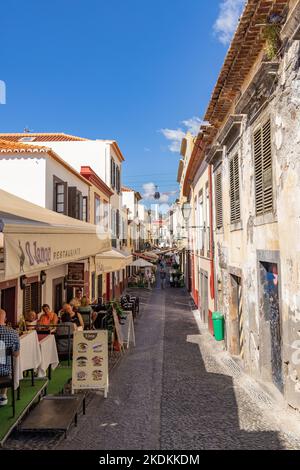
{"x": 186, "y": 211}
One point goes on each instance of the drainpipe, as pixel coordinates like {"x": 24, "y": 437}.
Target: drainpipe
{"x": 212, "y": 266}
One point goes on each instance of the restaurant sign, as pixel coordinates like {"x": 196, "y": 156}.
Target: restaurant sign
{"x": 90, "y": 361}
{"x": 26, "y": 253}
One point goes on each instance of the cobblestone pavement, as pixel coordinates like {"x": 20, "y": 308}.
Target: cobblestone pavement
{"x": 171, "y": 392}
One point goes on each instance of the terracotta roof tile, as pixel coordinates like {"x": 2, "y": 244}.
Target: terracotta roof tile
{"x": 40, "y": 137}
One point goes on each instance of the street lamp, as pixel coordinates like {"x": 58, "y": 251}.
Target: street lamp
{"x": 186, "y": 210}
{"x": 157, "y": 193}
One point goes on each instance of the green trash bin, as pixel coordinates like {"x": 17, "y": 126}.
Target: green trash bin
{"x": 218, "y": 323}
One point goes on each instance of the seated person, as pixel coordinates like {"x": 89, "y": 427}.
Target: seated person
{"x": 47, "y": 318}
{"x": 76, "y": 301}
{"x": 65, "y": 328}
{"x": 8, "y": 339}
{"x": 85, "y": 310}
{"x": 31, "y": 320}
{"x": 75, "y": 315}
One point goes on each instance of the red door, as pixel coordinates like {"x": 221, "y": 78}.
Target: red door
{"x": 108, "y": 286}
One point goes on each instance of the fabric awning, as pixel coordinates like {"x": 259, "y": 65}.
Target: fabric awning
{"x": 113, "y": 260}
{"x": 141, "y": 263}
{"x": 36, "y": 239}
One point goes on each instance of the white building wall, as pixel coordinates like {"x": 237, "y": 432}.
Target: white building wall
{"x": 84, "y": 153}
{"x": 128, "y": 201}
{"x": 24, "y": 176}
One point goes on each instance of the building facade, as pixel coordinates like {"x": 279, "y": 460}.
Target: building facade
{"x": 252, "y": 145}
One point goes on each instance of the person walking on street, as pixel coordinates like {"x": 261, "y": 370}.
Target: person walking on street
{"x": 163, "y": 276}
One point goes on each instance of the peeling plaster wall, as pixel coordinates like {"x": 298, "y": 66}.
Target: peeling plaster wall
{"x": 236, "y": 246}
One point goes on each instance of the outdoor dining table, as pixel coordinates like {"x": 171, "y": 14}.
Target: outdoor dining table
{"x": 49, "y": 356}
{"x": 29, "y": 357}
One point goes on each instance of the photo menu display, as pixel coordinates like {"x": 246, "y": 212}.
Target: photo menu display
{"x": 90, "y": 360}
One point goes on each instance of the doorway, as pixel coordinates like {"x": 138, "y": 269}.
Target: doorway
{"x": 99, "y": 286}
{"x": 58, "y": 294}
{"x": 204, "y": 296}
{"x": 269, "y": 280}
{"x": 8, "y": 303}
{"x": 236, "y": 346}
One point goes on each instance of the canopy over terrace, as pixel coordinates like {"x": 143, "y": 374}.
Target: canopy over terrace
{"x": 33, "y": 238}
{"x": 147, "y": 255}
{"x": 141, "y": 263}
{"x": 113, "y": 260}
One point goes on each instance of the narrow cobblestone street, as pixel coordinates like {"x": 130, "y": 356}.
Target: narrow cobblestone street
{"x": 166, "y": 394}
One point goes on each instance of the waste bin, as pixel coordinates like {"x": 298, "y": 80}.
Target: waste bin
{"x": 218, "y": 323}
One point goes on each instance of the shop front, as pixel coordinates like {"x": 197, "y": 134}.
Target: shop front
{"x": 45, "y": 256}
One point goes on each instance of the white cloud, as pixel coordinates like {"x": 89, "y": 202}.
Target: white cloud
{"x": 175, "y": 136}
{"x": 146, "y": 149}
{"x": 225, "y": 25}
{"x": 149, "y": 190}
{"x": 164, "y": 198}
{"x": 193, "y": 125}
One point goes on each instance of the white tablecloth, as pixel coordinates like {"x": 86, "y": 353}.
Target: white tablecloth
{"x": 48, "y": 355}
{"x": 29, "y": 357}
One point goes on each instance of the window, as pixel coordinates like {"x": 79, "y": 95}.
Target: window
{"x": 97, "y": 215}
{"x": 113, "y": 223}
{"x": 93, "y": 289}
{"x": 32, "y": 298}
{"x": 263, "y": 169}
{"x": 118, "y": 179}
{"x": 235, "y": 206}
{"x": 79, "y": 205}
{"x": 118, "y": 224}
{"x": 85, "y": 217}
{"x": 201, "y": 222}
{"x": 218, "y": 194}
{"x": 60, "y": 196}
{"x": 207, "y": 217}
{"x": 105, "y": 215}
{"x": 72, "y": 192}
{"x": 113, "y": 173}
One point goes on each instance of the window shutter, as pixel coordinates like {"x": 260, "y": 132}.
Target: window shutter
{"x": 235, "y": 208}
{"x": 118, "y": 223}
{"x": 219, "y": 208}
{"x": 114, "y": 175}
{"x": 111, "y": 173}
{"x": 263, "y": 169}
{"x": 267, "y": 167}
{"x": 72, "y": 193}
{"x": 36, "y": 296}
{"x": 27, "y": 299}
{"x": 66, "y": 198}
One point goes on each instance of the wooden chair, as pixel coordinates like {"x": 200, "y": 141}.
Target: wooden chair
{"x": 8, "y": 381}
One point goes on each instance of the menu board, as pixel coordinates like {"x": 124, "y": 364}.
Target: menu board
{"x": 118, "y": 330}
{"x": 75, "y": 274}
{"x": 90, "y": 361}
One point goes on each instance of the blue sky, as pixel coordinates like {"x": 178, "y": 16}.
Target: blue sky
{"x": 129, "y": 70}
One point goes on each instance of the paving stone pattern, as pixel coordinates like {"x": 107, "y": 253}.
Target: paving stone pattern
{"x": 170, "y": 392}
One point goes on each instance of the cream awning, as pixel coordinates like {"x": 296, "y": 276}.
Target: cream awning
{"x": 113, "y": 260}
{"x": 35, "y": 238}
